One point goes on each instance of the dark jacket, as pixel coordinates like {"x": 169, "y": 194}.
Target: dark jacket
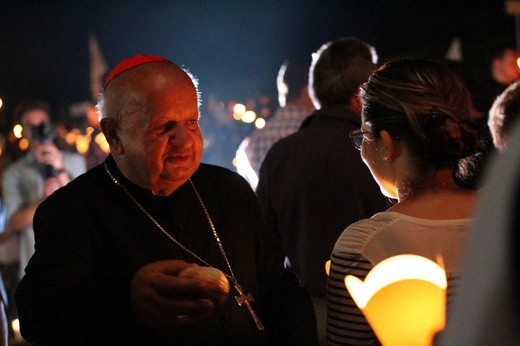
{"x": 313, "y": 184}
{"x": 91, "y": 239}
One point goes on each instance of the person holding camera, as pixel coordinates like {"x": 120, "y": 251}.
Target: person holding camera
{"x": 32, "y": 178}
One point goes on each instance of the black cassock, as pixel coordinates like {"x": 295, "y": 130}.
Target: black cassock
{"x": 91, "y": 238}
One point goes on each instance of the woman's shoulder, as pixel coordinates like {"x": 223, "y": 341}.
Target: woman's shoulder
{"x": 357, "y": 235}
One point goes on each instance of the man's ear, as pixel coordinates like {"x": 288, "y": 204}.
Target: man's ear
{"x": 355, "y": 102}
{"x": 392, "y": 147}
{"x": 109, "y": 127}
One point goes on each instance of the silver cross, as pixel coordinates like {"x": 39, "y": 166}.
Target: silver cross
{"x": 243, "y": 298}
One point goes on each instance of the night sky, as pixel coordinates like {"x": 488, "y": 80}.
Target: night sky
{"x": 234, "y": 47}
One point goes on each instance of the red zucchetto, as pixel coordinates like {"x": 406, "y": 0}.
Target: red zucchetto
{"x": 130, "y": 63}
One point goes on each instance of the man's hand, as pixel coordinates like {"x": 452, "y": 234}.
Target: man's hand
{"x": 48, "y": 154}
{"x": 50, "y": 185}
{"x": 162, "y": 299}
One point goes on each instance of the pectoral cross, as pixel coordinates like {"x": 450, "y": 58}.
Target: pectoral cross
{"x": 243, "y": 298}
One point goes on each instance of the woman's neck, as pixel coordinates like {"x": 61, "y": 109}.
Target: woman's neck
{"x": 439, "y": 198}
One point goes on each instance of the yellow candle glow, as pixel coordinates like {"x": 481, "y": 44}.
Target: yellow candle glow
{"x": 327, "y": 267}
{"x": 403, "y": 299}
{"x": 15, "y": 324}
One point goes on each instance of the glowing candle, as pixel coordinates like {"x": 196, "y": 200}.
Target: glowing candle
{"x": 15, "y": 324}
{"x": 403, "y": 299}
{"x": 327, "y": 267}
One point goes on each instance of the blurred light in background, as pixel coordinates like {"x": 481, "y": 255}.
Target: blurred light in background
{"x": 225, "y": 124}
{"x": 260, "y": 123}
{"x": 238, "y": 111}
{"x": 249, "y": 116}
{"x": 17, "y": 130}
{"x": 81, "y": 141}
{"x": 102, "y": 142}
{"x": 23, "y": 144}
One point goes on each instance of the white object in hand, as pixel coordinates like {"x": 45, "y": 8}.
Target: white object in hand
{"x": 212, "y": 277}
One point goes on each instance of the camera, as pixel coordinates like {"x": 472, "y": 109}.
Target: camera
{"x": 48, "y": 171}
{"x": 43, "y": 133}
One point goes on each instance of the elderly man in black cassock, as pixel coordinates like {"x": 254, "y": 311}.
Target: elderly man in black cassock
{"x": 110, "y": 246}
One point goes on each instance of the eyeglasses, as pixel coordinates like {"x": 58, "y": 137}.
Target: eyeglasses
{"x": 357, "y": 137}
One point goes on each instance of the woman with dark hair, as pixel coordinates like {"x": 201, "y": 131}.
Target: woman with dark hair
{"x": 415, "y": 134}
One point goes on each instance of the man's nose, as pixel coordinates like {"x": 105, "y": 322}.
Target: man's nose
{"x": 179, "y": 136}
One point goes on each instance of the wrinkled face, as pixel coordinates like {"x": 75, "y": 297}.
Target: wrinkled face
{"x": 162, "y": 145}
{"x": 372, "y": 154}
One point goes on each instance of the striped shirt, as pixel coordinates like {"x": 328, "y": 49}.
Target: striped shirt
{"x": 366, "y": 243}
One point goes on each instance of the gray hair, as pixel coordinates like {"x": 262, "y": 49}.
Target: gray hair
{"x": 338, "y": 69}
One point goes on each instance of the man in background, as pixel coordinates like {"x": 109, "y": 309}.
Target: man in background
{"x": 295, "y": 106}
{"x": 26, "y": 183}
{"x": 313, "y": 183}
{"x": 32, "y": 178}
{"x": 504, "y": 114}
{"x": 504, "y": 70}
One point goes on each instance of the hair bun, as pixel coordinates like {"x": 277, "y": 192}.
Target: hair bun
{"x": 451, "y": 140}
